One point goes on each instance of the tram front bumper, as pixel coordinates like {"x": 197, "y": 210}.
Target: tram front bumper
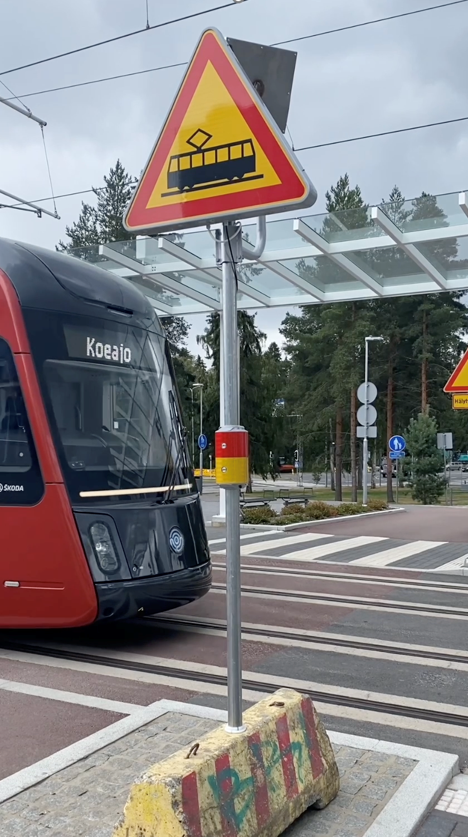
{"x": 146, "y": 596}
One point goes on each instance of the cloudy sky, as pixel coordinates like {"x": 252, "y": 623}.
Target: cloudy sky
{"x": 377, "y": 78}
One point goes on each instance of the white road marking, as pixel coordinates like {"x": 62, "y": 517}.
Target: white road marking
{"x": 330, "y": 548}
{"x": 370, "y": 653}
{"x": 70, "y": 697}
{"x": 32, "y": 775}
{"x": 456, "y": 564}
{"x": 389, "y": 556}
{"x": 245, "y": 537}
{"x": 260, "y": 679}
{"x": 378, "y": 581}
{"x": 115, "y": 671}
{"x": 459, "y": 614}
{"x": 252, "y": 548}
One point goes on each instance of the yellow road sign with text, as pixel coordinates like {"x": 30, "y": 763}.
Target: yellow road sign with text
{"x": 460, "y": 401}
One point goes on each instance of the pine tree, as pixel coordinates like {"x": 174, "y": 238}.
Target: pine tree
{"x": 428, "y": 483}
{"x": 102, "y": 223}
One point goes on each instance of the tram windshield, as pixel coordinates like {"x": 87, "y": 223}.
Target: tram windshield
{"x": 115, "y": 412}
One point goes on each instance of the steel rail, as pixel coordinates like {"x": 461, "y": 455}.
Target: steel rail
{"x": 369, "y": 705}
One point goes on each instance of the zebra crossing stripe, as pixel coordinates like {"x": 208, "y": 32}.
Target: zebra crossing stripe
{"x": 389, "y": 556}
{"x": 316, "y": 552}
{"x": 276, "y": 543}
{"x": 456, "y": 564}
{"x": 244, "y": 537}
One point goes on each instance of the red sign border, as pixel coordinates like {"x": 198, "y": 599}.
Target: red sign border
{"x": 449, "y": 386}
{"x": 293, "y": 188}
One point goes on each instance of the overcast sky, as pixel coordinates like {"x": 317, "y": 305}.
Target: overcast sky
{"x": 372, "y": 79}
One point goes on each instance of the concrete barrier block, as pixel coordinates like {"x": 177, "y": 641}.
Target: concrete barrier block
{"x": 252, "y": 784}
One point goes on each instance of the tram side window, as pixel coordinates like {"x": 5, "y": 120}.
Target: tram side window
{"x": 20, "y": 478}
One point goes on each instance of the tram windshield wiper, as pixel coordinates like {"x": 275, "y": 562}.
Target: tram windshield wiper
{"x": 178, "y": 435}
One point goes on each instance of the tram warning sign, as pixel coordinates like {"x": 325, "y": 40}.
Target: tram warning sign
{"x": 220, "y": 155}
{"x": 458, "y": 381}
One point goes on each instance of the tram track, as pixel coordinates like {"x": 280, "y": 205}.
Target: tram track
{"x": 265, "y": 633}
{"x": 418, "y": 710}
{"x": 354, "y": 578}
{"x": 352, "y": 601}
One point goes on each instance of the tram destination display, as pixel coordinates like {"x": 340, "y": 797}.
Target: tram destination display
{"x": 123, "y": 347}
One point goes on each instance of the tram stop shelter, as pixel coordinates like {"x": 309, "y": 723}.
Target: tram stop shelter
{"x": 419, "y": 246}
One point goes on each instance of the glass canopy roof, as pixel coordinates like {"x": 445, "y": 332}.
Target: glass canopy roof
{"x": 411, "y": 247}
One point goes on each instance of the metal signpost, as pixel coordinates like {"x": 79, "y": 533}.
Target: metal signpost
{"x": 396, "y": 446}
{"x": 202, "y": 446}
{"x": 445, "y": 443}
{"x": 220, "y": 157}
{"x": 366, "y": 416}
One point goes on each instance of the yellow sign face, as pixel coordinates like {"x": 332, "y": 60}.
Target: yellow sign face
{"x": 460, "y": 402}
{"x": 195, "y": 151}
{"x": 220, "y": 155}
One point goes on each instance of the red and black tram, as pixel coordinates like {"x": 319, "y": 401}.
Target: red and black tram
{"x": 100, "y": 518}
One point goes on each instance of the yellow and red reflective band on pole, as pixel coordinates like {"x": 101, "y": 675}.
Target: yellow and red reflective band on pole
{"x": 232, "y": 456}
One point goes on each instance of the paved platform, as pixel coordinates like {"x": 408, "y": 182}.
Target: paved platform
{"x": 80, "y": 791}
{"x": 450, "y": 816}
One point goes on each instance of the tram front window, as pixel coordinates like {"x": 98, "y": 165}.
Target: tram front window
{"x": 118, "y": 422}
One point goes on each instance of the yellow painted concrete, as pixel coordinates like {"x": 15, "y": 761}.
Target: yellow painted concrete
{"x": 154, "y": 807}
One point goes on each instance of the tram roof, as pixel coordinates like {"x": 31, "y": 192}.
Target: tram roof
{"x": 358, "y": 254}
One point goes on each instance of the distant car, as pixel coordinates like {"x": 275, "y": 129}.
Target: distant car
{"x": 286, "y": 469}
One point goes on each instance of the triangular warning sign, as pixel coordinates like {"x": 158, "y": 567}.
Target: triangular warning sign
{"x": 458, "y": 381}
{"x": 220, "y": 154}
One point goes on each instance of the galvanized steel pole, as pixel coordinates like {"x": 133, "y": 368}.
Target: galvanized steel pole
{"x": 364, "y": 441}
{"x": 201, "y": 431}
{"x": 230, "y": 256}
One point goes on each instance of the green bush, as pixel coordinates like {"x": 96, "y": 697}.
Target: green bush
{"x": 294, "y": 508}
{"x": 286, "y": 519}
{"x": 318, "y": 510}
{"x": 350, "y": 508}
{"x": 314, "y": 514}
{"x": 263, "y": 515}
{"x": 377, "y": 505}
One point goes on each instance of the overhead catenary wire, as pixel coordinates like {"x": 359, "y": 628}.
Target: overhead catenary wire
{"x": 118, "y": 38}
{"x": 310, "y": 147}
{"x": 277, "y": 43}
{"x": 382, "y": 134}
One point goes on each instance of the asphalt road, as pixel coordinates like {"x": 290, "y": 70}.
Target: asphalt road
{"x": 326, "y": 622}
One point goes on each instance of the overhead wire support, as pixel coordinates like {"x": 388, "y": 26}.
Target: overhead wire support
{"x": 39, "y": 210}
{"x": 24, "y": 111}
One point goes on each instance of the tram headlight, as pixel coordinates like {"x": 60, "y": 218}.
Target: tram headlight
{"x": 103, "y": 547}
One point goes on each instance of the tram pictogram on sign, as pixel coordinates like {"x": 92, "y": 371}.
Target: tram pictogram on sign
{"x": 211, "y": 166}
{"x": 220, "y": 155}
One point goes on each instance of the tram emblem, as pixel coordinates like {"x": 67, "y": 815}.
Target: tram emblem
{"x": 176, "y": 541}
{"x": 210, "y": 166}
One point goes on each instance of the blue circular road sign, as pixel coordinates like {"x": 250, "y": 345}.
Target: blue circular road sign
{"x": 202, "y": 442}
{"x": 397, "y": 443}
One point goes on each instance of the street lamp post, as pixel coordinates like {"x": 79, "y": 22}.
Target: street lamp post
{"x": 365, "y": 445}
{"x": 200, "y": 387}
{"x": 298, "y": 444}
{"x": 193, "y": 430}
